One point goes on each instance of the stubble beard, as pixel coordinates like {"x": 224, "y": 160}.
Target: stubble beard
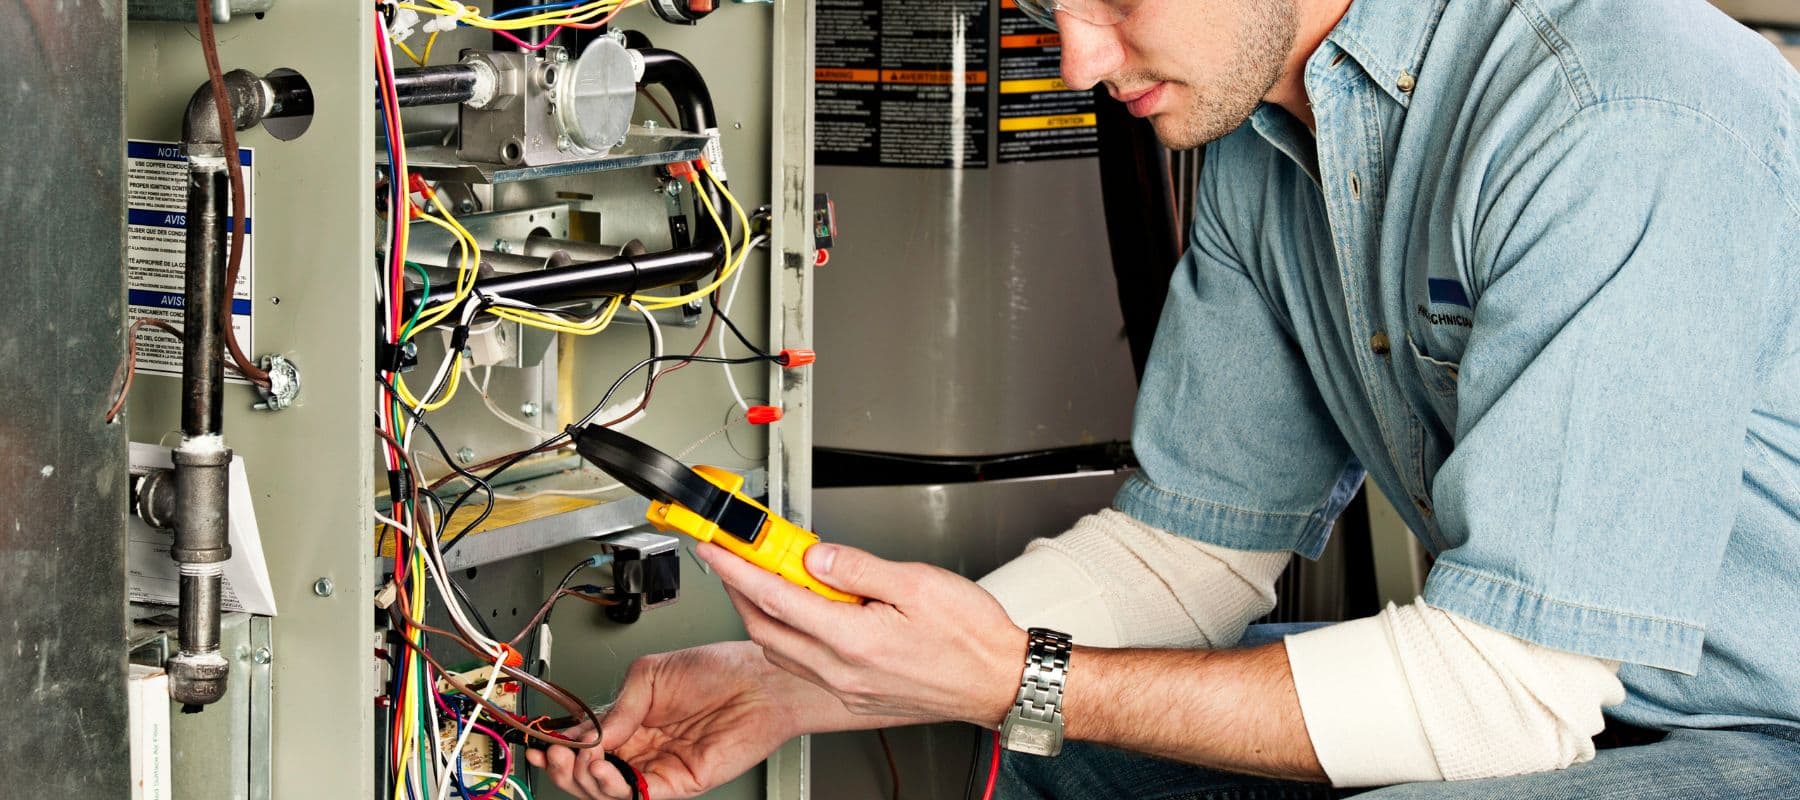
{"x": 1224, "y": 102}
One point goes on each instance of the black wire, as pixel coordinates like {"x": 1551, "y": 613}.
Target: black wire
{"x": 418, "y": 419}
{"x": 732, "y": 326}
{"x": 974, "y": 765}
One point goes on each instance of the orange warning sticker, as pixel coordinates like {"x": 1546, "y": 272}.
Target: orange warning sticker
{"x": 841, "y": 75}
{"x": 933, "y": 77}
{"x": 1016, "y": 41}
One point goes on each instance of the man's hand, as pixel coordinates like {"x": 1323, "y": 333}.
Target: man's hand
{"x": 689, "y": 720}
{"x": 928, "y": 645}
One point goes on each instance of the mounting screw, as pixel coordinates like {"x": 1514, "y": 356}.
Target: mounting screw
{"x": 529, "y": 409}
{"x": 502, "y": 245}
{"x": 672, "y": 188}
{"x": 262, "y": 655}
{"x": 465, "y": 455}
{"x": 563, "y": 143}
{"x": 649, "y": 124}
{"x": 323, "y": 587}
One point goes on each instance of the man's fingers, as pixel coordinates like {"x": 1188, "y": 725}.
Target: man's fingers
{"x": 535, "y": 757}
{"x": 859, "y": 572}
{"x": 782, "y": 646}
{"x": 560, "y": 764}
{"x": 793, "y": 606}
{"x": 608, "y": 778}
{"x": 627, "y": 712}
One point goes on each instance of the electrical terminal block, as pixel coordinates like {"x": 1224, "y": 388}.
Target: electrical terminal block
{"x": 646, "y": 573}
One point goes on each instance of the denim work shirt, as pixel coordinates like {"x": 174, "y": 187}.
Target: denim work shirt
{"x": 1537, "y": 274}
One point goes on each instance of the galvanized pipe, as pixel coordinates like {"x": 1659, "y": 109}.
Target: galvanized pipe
{"x": 198, "y": 672}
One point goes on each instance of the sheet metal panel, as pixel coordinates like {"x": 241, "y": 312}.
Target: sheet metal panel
{"x": 62, "y": 547}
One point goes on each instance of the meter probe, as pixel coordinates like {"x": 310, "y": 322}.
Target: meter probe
{"x": 706, "y": 503}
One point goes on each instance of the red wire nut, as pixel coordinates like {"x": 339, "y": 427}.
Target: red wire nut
{"x": 797, "y": 357}
{"x": 763, "y": 415}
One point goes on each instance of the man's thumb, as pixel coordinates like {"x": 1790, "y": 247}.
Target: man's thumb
{"x": 848, "y": 569}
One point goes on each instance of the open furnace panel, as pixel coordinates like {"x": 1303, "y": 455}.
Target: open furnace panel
{"x": 452, "y": 231}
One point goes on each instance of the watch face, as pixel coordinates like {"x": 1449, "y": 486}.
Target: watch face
{"x": 1033, "y": 737}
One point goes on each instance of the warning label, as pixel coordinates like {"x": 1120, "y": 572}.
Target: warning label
{"x": 1040, "y": 117}
{"x": 902, "y": 83}
{"x": 156, "y": 252}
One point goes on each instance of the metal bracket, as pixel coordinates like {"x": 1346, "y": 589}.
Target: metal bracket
{"x": 284, "y": 384}
{"x": 181, "y": 11}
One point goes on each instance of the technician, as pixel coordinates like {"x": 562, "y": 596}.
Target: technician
{"x": 1532, "y": 266}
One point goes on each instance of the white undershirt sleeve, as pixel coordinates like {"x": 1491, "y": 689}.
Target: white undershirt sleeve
{"x": 1421, "y": 694}
{"x": 1112, "y": 581}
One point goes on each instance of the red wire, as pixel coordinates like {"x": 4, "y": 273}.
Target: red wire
{"x": 993, "y": 769}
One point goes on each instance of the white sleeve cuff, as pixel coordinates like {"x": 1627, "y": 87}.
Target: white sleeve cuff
{"x": 1421, "y": 694}
{"x": 1358, "y": 708}
{"x": 1046, "y": 589}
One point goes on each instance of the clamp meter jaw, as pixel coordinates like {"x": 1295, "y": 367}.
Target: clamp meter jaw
{"x": 706, "y": 503}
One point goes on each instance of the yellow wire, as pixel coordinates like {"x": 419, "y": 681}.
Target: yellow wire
{"x": 410, "y": 54}
{"x": 731, "y": 264}
{"x": 406, "y": 395}
{"x": 471, "y": 15}
{"x": 430, "y": 42}
{"x": 468, "y": 264}
{"x": 551, "y": 323}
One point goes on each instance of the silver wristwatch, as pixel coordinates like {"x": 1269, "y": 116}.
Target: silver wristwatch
{"x": 1035, "y": 723}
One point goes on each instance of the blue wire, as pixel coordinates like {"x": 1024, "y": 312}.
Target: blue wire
{"x": 513, "y": 12}
{"x": 462, "y": 786}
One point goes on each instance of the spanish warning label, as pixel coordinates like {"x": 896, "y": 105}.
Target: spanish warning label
{"x": 902, "y": 83}
{"x": 1040, "y": 116}
{"x": 156, "y": 253}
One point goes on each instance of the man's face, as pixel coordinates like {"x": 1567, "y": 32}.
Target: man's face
{"x": 1196, "y": 68}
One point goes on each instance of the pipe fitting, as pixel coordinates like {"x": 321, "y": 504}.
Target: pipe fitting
{"x": 251, "y": 101}
{"x": 197, "y": 679}
{"x": 202, "y": 489}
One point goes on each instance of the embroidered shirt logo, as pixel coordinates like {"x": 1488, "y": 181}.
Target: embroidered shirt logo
{"x": 1446, "y": 292}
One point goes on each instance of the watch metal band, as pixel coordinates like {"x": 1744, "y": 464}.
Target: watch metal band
{"x": 1035, "y": 723}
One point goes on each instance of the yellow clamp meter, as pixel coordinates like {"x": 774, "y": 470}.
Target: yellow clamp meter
{"x": 706, "y": 503}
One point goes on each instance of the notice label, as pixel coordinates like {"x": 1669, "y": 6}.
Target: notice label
{"x": 902, "y": 83}
{"x": 1040, "y": 117}
{"x": 156, "y": 253}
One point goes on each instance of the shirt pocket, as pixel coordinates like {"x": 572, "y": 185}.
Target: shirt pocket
{"x": 1438, "y": 378}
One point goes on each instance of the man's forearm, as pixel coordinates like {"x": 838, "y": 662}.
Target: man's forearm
{"x": 1227, "y": 709}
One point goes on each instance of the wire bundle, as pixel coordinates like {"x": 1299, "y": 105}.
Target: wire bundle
{"x": 425, "y": 697}
{"x": 578, "y": 15}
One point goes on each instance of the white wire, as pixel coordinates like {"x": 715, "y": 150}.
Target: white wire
{"x": 433, "y": 557}
{"x": 468, "y": 726}
{"x": 623, "y": 406}
{"x": 494, "y": 408}
{"x": 730, "y": 295}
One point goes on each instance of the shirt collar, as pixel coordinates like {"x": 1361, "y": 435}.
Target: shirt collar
{"x": 1388, "y": 38}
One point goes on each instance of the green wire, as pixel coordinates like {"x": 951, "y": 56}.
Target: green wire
{"x": 406, "y": 330}
{"x": 482, "y": 785}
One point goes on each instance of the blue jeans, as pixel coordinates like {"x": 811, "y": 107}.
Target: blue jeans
{"x": 1757, "y": 763}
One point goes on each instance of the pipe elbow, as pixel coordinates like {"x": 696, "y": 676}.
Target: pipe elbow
{"x": 251, "y": 100}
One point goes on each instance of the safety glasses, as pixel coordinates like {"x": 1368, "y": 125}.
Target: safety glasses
{"x": 1092, "y": 12}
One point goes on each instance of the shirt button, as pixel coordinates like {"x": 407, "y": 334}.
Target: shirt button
{"x": 1379, "y": 344}
{"x": 1407, "y": 82}
{"x": 1424, "y": 506}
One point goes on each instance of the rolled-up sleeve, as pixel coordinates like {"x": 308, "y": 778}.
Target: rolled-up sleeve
{"x": 1236, "y": 445}
{"x": 1621, "y": 338}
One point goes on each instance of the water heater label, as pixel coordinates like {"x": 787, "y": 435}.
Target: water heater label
{"x": 902, "y": 83}
{"x": 156, "y": 253}
{"x": 1040, "y": 116}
